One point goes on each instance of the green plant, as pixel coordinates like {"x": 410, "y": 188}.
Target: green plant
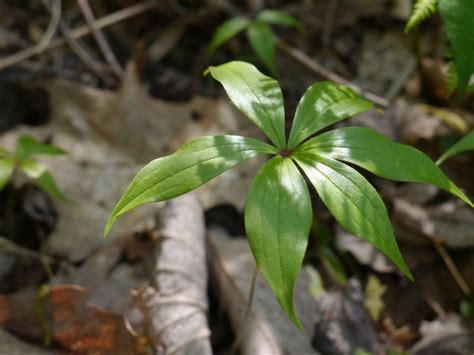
{"x": 464, "y": 145}
{"x": 278, "y": 211}
{"x": 422, "y": 9}
{"x": 457, "y": 16}
{"x": 259, "y": 34}
{"x": 24, "y": 159}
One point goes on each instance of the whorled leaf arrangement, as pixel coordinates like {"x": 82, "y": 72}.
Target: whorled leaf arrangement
{"x": 278, "y": 212}
{"x": 258, "y": 31}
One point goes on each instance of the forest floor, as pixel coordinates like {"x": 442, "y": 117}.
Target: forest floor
{"x": 123, "y": 84}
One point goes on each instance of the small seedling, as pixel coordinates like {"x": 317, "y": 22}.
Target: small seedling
{"x": 458, "y": 18}
{"x": 464, "y": 145}
{"x": 24, "y": 159}
{"x": 278, "y": 212}
{"x": 259, "y": 34}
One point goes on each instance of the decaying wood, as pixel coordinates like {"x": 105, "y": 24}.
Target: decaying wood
{"x": 176, "y": 302}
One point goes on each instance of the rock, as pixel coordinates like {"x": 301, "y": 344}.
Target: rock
{"x": 448, "y": 336}
{"x": 344, "y": 326}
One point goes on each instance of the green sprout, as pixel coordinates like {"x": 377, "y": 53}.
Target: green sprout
{"x": 24, "y": 159}
{"x": 259, "y": 34}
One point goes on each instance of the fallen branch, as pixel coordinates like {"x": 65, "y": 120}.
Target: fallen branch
{"x": 82, "y": 51}
{"x": 52, "y": 26}
{"x": 314, "y": 66}
{"x": 99, "y": 38}
{"x": 77, "y": 33}
{"x": 175, "y": 308}
{"x": 304, "y": 59}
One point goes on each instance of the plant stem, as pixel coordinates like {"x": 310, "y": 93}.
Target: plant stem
{"x": 243, "y": 331}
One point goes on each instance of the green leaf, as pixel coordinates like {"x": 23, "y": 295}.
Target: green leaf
{"x": 47, "y": 183}
{"x": 258, "y": 96}
{"x": 464, "y": 145}
{"x": 27, "y": 147}
{"x": 421, "y": 11}
{"x": 226, "y": 31}
{"x": 277, "y": 220}
{"x": 458, "y": 17}
{"x": 32, "y": 168}
{"x": 322, "y": 105}
{"x": 353, "y": 202}
{"x": 372, "y": 151}
{"x": 276, "y": 17}
{"x": 194, "y": 164}
{"x": 4, "y": 153}
{"x": 39, "y": 173}
{"x": 260, "y": 37}
{"x": 6, "y": 171}
{"x": 453, "y": 80}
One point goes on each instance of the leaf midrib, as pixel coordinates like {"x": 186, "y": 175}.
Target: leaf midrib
{"x": 271, "y": 120}
{"x": 345, "y": 194}
{"x": 301, "y": 130}
{"x": 180, "y": 171}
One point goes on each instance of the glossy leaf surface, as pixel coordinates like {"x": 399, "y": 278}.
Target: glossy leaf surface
{"x": 353, "y": 202}
{"x": 278, "y": 217}
{"x": 258, "y": 96}
{"x": 195, "y": 163}
{"x": 379, "y": 155}
{"x": 322, "y": 105}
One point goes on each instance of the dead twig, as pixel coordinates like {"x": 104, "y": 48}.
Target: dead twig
{"x": 242, "y": 334}
{"x": 82, "y": 51}
{"x": 77, "y": 33}
{"x": 453, "y": 269}
{"x": 52, "y": 26}
{"x": 166, "y": 41}
{"x": 304, "y": 59}
{"x": 9, "y": 247}
{"x": 314, "y": 66}
{"x": 176, "y": 308}
{"x": 100, "y": 38}
{"x": 44, "y": 42}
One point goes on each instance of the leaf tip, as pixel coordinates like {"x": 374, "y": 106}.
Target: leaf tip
{"x": 207, "y": 71}
{"x": 285, "y": 299}
{"x": 294, "y": 318}
{"x": 108, "y": 226}
{"x": 402, "y": 266}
